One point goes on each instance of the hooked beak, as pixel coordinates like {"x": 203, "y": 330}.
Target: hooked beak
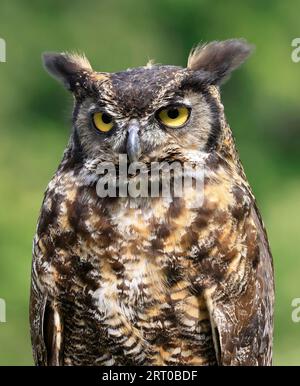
{"x": 133, "y": 146}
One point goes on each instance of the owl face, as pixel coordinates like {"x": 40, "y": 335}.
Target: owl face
{"x": 151, "y": 113}
{"x": 147, "y": 113}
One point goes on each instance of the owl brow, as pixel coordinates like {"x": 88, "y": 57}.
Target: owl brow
{"x": 100, "y": 102}
{"x": 169, "y": 92}
{"x": 102, "y": 106}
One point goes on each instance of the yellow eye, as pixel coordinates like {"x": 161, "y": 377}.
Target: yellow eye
{"x": 103, "y": 121}
{"x": 174, "y": 116}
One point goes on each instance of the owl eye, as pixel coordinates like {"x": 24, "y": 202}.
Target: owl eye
{"x": 102, "y": 121}
{"x": 174, "y": 116}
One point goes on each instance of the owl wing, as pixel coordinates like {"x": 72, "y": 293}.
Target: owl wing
{"x": 46, "y": 325}
{"x": 242, "y": 314}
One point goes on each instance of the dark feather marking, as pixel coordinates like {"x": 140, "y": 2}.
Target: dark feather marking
{"x": 216, "y": 122}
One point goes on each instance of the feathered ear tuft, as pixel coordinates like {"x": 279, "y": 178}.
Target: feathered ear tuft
{"x": 66, "y": 67}
{"x": 219, "y": 59}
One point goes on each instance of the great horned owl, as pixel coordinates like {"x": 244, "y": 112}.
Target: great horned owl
{"x": 162, "y": 282}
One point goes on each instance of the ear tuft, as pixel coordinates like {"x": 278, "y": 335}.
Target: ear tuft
{"x": 66, "y": 67}
{"x": 219, "y": 59}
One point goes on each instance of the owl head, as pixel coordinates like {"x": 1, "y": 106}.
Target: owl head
{"x": 156, "y": 112}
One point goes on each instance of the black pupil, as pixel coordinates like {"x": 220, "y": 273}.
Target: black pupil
{"x": 106, "y": 118}
{"x": 173, "y": 113}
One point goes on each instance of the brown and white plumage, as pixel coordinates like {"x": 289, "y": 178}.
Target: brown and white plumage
{"x": 160, "y": 282}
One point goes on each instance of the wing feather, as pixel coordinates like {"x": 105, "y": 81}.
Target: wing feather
{"x": 46, "y": 325}
{"x": 242, "y": 323}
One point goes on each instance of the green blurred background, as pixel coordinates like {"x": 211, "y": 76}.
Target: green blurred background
{"x": 261, "y": 102}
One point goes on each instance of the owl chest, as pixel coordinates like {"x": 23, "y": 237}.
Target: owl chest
{"x": 131, "y": 261}
{"x": 142, "y": 259}
{"x": 131, "y": 272}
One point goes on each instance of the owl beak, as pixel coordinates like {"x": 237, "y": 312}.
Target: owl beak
{"x": 133, "y": 146}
